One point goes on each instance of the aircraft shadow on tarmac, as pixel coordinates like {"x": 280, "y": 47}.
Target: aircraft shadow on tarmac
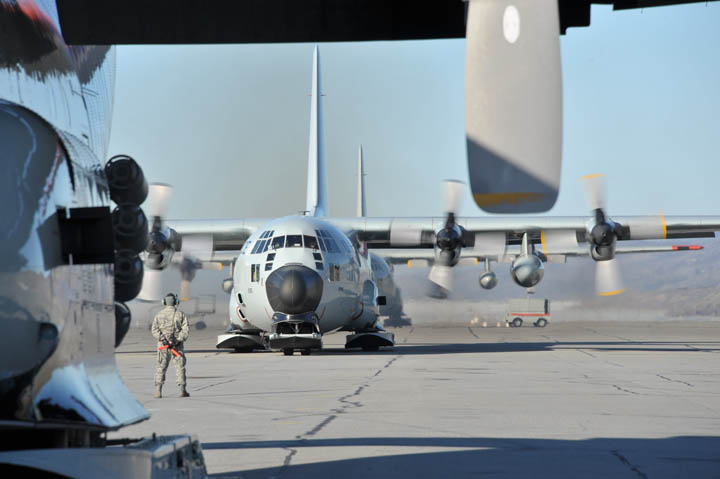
{"x": 682, "y": 456}
{"x": 460, "y": 348}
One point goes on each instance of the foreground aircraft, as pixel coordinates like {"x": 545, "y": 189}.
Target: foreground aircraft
{"x": 68, "y": 262}
{"x": 299, "y": 277}
{"x": 513, "y": 77}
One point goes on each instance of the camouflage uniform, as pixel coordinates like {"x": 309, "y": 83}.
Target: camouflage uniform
{"x": 173, "y": 325}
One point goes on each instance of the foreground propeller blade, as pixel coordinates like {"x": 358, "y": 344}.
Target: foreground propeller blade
{"x": 158, "y": 200}
{"x": 513, "y": 104}
{"x": 607, "y": 278}
{"x": 199, "y": 247}
{"x": 453, "y": 191}
{"x": 595, "y": 191}
{"x": 152, "y": 286}
{"x": 442, "y": 276}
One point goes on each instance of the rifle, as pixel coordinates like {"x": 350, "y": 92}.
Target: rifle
{"x": 168, "y": 345}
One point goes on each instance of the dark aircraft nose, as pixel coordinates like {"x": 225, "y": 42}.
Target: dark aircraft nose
{"x": 294, "y": 289}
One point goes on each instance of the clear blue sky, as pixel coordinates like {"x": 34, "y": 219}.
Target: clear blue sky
{"x": 227, "y": 125}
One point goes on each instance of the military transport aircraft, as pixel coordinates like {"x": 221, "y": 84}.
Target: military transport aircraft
{"x": 298, "y": 277}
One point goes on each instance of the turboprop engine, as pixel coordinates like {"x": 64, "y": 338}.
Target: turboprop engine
{"x": 527, "y": 270}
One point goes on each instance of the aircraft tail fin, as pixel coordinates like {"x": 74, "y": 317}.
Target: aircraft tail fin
{"x": 361, "y": 208}
{"x": 317, "y": 175}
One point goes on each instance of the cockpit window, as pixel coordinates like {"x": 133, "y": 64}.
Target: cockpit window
{"x": 331, "y": 246}
{"x": 266, "y": 245}
{"x": 311, "y": 242}
{"x": 255, "y": 248}
{"x": 278, "y": 242}
{"x": 294, "y": 241}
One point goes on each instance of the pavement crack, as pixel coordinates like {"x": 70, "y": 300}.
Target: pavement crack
{"x": 320, "y": 426}
{"x": 625, "y": 390}
{"x": 629, "y": 464}
{"x": 473, "y": 332}
{"x": 214, "y": 384}
{"x": 586, "y": 352}
{"x": 674, "y": 380}
{"x": 346, "y": 403}
{"x": 289, "y": 456}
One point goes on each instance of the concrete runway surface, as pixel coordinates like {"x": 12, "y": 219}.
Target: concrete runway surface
{"x": 585, "y": 399}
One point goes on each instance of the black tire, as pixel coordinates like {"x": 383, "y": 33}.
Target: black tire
{"x": 370, "y": 348}
{"x": 306, "y": 352}
{"x": 516, "y": 323}
{"x": 288, "y": 351}
{"x": 541, "y": 323}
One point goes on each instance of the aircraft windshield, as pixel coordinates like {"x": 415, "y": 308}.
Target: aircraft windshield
{"x": 294, "y": 241}
{"x": 278, "y": 242}
{"x": 311, "y": 242}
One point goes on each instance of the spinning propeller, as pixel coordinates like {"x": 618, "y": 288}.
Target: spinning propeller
{"x": 166, "y": 247}
{"x": 449, "y": 240}
{"x": 602, "y": 234}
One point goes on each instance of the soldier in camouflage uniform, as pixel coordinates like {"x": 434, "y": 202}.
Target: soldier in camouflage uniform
{"x": 170, "y": 328}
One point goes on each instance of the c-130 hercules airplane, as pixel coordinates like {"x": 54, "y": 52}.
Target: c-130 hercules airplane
{"x": 299, "y": 277}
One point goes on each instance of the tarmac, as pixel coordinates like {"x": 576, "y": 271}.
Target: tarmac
{"x": 574, "y": 399}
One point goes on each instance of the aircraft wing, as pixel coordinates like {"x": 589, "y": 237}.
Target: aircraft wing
{"x": 425, "y": 257}
{"x": 483, "y": 237}
{"x": 551, "y": 235}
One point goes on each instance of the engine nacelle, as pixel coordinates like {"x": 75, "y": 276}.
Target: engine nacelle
{"x": 488, "y": 280}
{"x": 126, "y": 180}
{"x": 527, "y": 270}
{"x": 128, "y": 275}
{"x": 130, "y": 227}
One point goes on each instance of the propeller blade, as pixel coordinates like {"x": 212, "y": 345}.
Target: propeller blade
{"x": 453, "y": 192}
{"x": 158, "y": 200}
{"x": 513, "y": 104}
{"x": 198, "y": 247}
{"x": 184, "y": 290}
{"x": 595, "y": 191}
{"x": 442, "y": 276}
{"x": 212, "y": 265}
{"x": 152, "y": 286}
{"x": 607, "y": 278}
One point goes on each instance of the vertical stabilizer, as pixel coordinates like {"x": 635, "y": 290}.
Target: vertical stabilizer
{"x": 317, "y": 176}
{"x": 361, "y": 211}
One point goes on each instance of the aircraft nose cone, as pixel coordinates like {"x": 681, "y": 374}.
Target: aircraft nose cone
{"x": 294, "y": 289}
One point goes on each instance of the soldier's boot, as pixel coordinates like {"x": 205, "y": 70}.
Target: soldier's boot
{"x": 158, "y": 391}
{"x": 183, "y": 392}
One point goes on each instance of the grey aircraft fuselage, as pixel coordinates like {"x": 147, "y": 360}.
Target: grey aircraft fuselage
{"x": 57, "y": 295}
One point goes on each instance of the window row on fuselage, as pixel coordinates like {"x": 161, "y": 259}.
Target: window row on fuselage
{"x": 323, "y": 241}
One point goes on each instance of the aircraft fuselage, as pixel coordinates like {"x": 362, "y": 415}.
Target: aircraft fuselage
{"x": 337, "y": 281}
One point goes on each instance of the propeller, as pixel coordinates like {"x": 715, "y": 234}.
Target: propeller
{"x": 188, "y": 267}
{"x": 602, "y": 237}
{"x": 449, "y": 239}
{"x": 165, "y": 247}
